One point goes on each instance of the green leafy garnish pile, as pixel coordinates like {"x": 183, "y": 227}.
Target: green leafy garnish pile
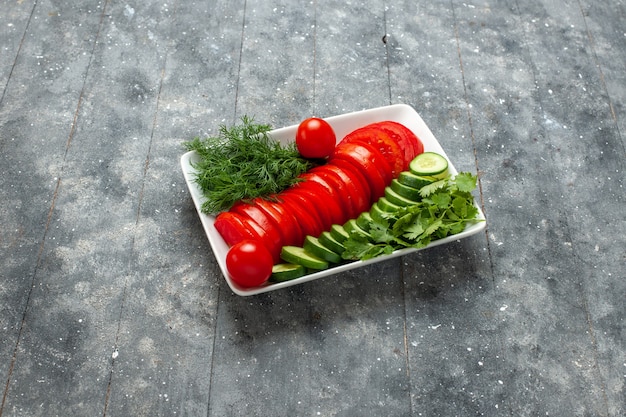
{"x": 447, "y": 206}
{"x": 243, "y": 162}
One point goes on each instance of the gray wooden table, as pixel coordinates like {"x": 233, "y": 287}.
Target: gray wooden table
{"x": 111, "y": 301}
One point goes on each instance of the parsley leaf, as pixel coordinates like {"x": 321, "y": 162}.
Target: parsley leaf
{"x": 380, "y": 232}
{"x": 427, "y": 190}
{"x": 441, "y": 199}
{"x": 465, "y": 182}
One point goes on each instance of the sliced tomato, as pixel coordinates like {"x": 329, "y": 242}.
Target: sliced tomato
{"x": 357, "y": 196}
{"x": 248, "y": 210}
{"x": 233, "y": 229}
{"x": 304, "y": 192}
{"x": 333, "y": 189}
{"x": 357, "y": 176}
{"x": 359, "y": 182}
{"x": 290, "y": 220}
{"x": 372, "y": 154}
{"x": 343, "y": 192}
{"x": 285, "y": 223}
{"x": 398, "y": 133}
{"x": 324, "y": 196}
{"x": 382, "y": 141}
{"x": 329, "y": 209}
{"x": 409, "y": 142}
{"x": 371, "y": 163}
{"x": 263, "y": 225}
{"x": 308, "y": 219}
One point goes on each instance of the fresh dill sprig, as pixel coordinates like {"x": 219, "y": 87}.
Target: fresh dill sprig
{"x": 243, "y": 162}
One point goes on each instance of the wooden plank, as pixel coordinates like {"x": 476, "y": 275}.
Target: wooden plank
{"x": 100, "y": 196}
{"x": 275, "y": 83}
{"x": 169, "y": 316}
{"x": 254, "y": 336}
{"x": 425, "y": 72}
{"x": 14, "y": 22}
{"x": 36, "y": 118}
{"x": 350, "y": 57}
{"x": 598, "y": 208}
{"x": 73, "y": 321}
{"x": 607, "y": 41}
{"x": 529, "y": 111}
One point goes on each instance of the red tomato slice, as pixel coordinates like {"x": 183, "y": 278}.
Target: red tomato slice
{"x": 248, "y": 210}
{"x": 328, "y": 208}
{"x": 356, "y": 175}
{"x": 332, "y": 188}
{"x": 381, "y": 141}
{"x": 298, "y": 236}
{"x": 287, "y": 225}
{"x": 304, "y": 192}
{"x": 300, "y": 206}
{"x": 369, "y": 161}
{"x": 232, "y": 229}
{"x": 358, "y": 197}
{"x": 267, "y": 230}
{"x": 371, "y": 154}
{"x": 408, "y": 141}
{"x": 399, "y": 134}
{"x": 344, "y": 193}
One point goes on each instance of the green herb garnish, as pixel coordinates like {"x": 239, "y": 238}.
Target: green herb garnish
{"x": 447, "y": 206}
{"x": 243, "y": 162}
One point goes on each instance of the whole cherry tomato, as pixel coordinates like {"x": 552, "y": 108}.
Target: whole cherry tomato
{"x": 249, "y": 263}
{"x": 315, "y": 138}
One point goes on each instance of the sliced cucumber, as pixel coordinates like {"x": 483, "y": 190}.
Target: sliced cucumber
{"x": 352, "y": 227}
{"x": 397, "y": 199}
{"x": 331, "y": 243}
{"x": 364, "y": 221}
{"x": 387, "y": 206}
{"x": 429, "y": 163}
{"x": 286, "y": 271}
{"x": 405, "y": 191}
{"x": 339, "y": 233}
{"x": 313, "y": 246}
{"x": 297, "y": 255}
{"x": 377, "y": 214}
{"x": 412, "y": 180}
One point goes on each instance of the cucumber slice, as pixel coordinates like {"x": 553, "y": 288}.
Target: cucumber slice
{"x": 297, "y": 255}
{"x": 314, "y": 247}
{"x": 377, "y": 214}
{"x": 339, "y": 233}
{"x": 352, "y": 227}
{"x": 405, "y": 191}
{"x": 387, "y": 206}
{"x": 364, "y": 221}
{"x": 327, "y": 239}
{"x": 285, "y": 272}
{"x": 416, "y": 181}
{"x": 428, "y": 163}
{"x": 397, "y": 199}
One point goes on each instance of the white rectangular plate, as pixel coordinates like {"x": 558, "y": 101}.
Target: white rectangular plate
{"x": 342, "y": 125}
